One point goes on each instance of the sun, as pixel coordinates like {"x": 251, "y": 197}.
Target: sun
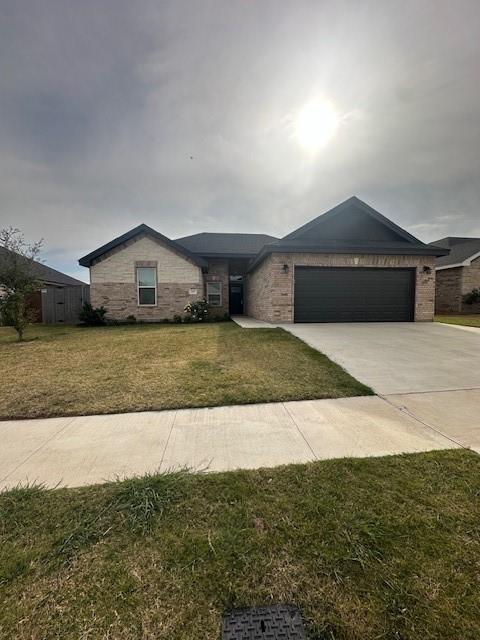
{"x": 316, "y": 124}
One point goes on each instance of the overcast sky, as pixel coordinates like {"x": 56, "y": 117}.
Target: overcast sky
{"x": 182, "y": 115}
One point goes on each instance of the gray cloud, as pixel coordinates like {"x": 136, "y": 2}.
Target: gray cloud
{"x": 102, "y": 106}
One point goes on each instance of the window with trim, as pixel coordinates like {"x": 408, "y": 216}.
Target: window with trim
{"x": 147, "y": 286}
{"x": 214, "y": 294}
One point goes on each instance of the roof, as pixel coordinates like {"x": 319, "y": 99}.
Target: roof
{"x": 46, "y": 274}
{"x": 87, "y": 260}
{"x": 462, "y": 251}
{"x": 226, "y": 244}
{"x": 350, "y": 227}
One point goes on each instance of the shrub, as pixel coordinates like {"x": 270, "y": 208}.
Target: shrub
{"x": 92, "y": 317}
{"x": 197, "y": 311}
{"x": 131, "y": 319}
{"x": 177, "y": 319}
{"x": 472, "y": 297}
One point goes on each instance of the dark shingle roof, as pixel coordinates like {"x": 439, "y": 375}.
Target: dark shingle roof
{"x": 461, "y": 250}
{"x": 350, "y": 227}
{"x": 226, "y": 244}
{"x": 87, "y": 260}
{"x": 48, "y": 275}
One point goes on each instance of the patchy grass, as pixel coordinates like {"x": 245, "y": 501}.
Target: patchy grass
{"x": 373, "y": 548}
{"x": 77, "y": 371}
{"x": 472, "y": 320}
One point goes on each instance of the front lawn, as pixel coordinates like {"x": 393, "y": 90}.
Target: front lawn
{"x": 472, "y": 320}
{"x": 64, "y": 370}
{"x": 372, "y": 548}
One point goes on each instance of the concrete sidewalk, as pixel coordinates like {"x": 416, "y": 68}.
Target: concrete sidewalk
{"x": 91, "y": 449}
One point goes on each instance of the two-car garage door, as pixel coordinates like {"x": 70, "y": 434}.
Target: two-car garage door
{"x": 331, "y": 294}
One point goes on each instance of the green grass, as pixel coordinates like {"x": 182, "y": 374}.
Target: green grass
{"x": 472, "y": 320}
{"x": 63, "y": 370}
{"x": 372, "y": 548}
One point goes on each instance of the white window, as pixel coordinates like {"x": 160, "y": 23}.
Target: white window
{"x": 214, "y": 294}
{"x": 147, "y": 286}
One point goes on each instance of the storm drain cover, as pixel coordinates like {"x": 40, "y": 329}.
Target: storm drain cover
{"x": 276, "y": 622}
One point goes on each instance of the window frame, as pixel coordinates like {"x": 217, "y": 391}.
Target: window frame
{"x": 139, "y": 286}
{"x": 219, "y": 293}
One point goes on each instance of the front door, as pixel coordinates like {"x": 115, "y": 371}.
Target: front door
{"x": 236, "y": 298}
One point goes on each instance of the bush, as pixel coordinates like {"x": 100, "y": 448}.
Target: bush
{"x": 197, "y": 311}
{"x": 92, "y": 317}
{"x": 177, "y": 319}
{"x": 131, "y": 319}
{"x": 472, "y": 297}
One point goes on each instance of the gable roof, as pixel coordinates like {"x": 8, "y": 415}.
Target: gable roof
{"x": 46, "y": 274}
{"x": 350, "y": 208}
{"x": 87, "y": 260}
{"x": 350, "y": 227}
{"x": 226, "y": 244}
{"x": 462, "y": 252}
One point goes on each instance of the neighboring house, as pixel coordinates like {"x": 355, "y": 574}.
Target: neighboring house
{"x": 350, "y": 264}
{"x": 59, "y": 297}
{"x": 458, "y": 273}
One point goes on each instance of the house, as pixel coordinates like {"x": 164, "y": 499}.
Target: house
{"x": 59, "y": 297}
{"x": 457, "y": 274}
{"x": 350, "y": 264}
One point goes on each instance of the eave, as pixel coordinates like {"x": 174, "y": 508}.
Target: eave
{"x": 419, "y": 250}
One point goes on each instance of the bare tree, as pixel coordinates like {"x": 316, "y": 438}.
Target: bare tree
{"x": 18, "y": 279}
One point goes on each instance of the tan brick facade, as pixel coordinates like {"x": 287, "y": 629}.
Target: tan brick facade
{"x": 270, "y": 293}
{"x": 452, "y": 284}
{"x": 269, "y": 289}
{"x": 471, "y": 280}
{"x": 448, "y": 291}
{"x": 218, "y": 271}
{"x": 113, "y": 280}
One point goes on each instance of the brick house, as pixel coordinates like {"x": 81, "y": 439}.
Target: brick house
{"x": 457, "y": 274}
{"x": 350, "y": 264}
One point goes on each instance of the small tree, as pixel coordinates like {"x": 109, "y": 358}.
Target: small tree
{"x": 18, "y": 279}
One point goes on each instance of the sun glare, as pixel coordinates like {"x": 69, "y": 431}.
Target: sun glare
{"x": 316, "y": 124}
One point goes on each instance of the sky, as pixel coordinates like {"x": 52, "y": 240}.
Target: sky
{"x": 184, "y": 115}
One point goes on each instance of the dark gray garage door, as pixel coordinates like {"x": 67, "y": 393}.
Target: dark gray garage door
{"x": 327, "y": 294}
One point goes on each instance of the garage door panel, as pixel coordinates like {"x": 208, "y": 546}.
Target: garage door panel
{"x": 329, "y": 294}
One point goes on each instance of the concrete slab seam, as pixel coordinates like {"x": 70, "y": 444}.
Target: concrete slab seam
{"x": 417, "y": 393}
{"x": 404, "y": 409}
{"x": 54, "y": 435}
{"x": 299, "y": 430}
{"x": 168, "y": 440}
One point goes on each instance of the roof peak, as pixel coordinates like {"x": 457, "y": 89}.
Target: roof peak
{"x": 364, "y": 208}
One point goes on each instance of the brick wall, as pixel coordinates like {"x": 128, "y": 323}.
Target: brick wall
{"x": 453, "y": 284}
{"x": 448, "y": 290}
{"x": 218, "y": 271}
{"x": 271, "y": 290}
{"x": 113, "y": 280}
{"x": 470, "y": 280}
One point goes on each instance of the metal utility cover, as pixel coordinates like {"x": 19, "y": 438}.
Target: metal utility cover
{"x": 276, "y": 622}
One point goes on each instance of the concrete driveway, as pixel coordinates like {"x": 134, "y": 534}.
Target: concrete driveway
{"x": 427, "y": 377}
{"x": 429, "y": 370}
{"x": 403, "y": 357}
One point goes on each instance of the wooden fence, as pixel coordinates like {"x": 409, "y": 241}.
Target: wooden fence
{"x": 63, "y": 304}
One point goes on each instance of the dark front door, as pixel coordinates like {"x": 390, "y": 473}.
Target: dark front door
{"x": 236, "y": 298}
{"x": 329, "y": 294}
